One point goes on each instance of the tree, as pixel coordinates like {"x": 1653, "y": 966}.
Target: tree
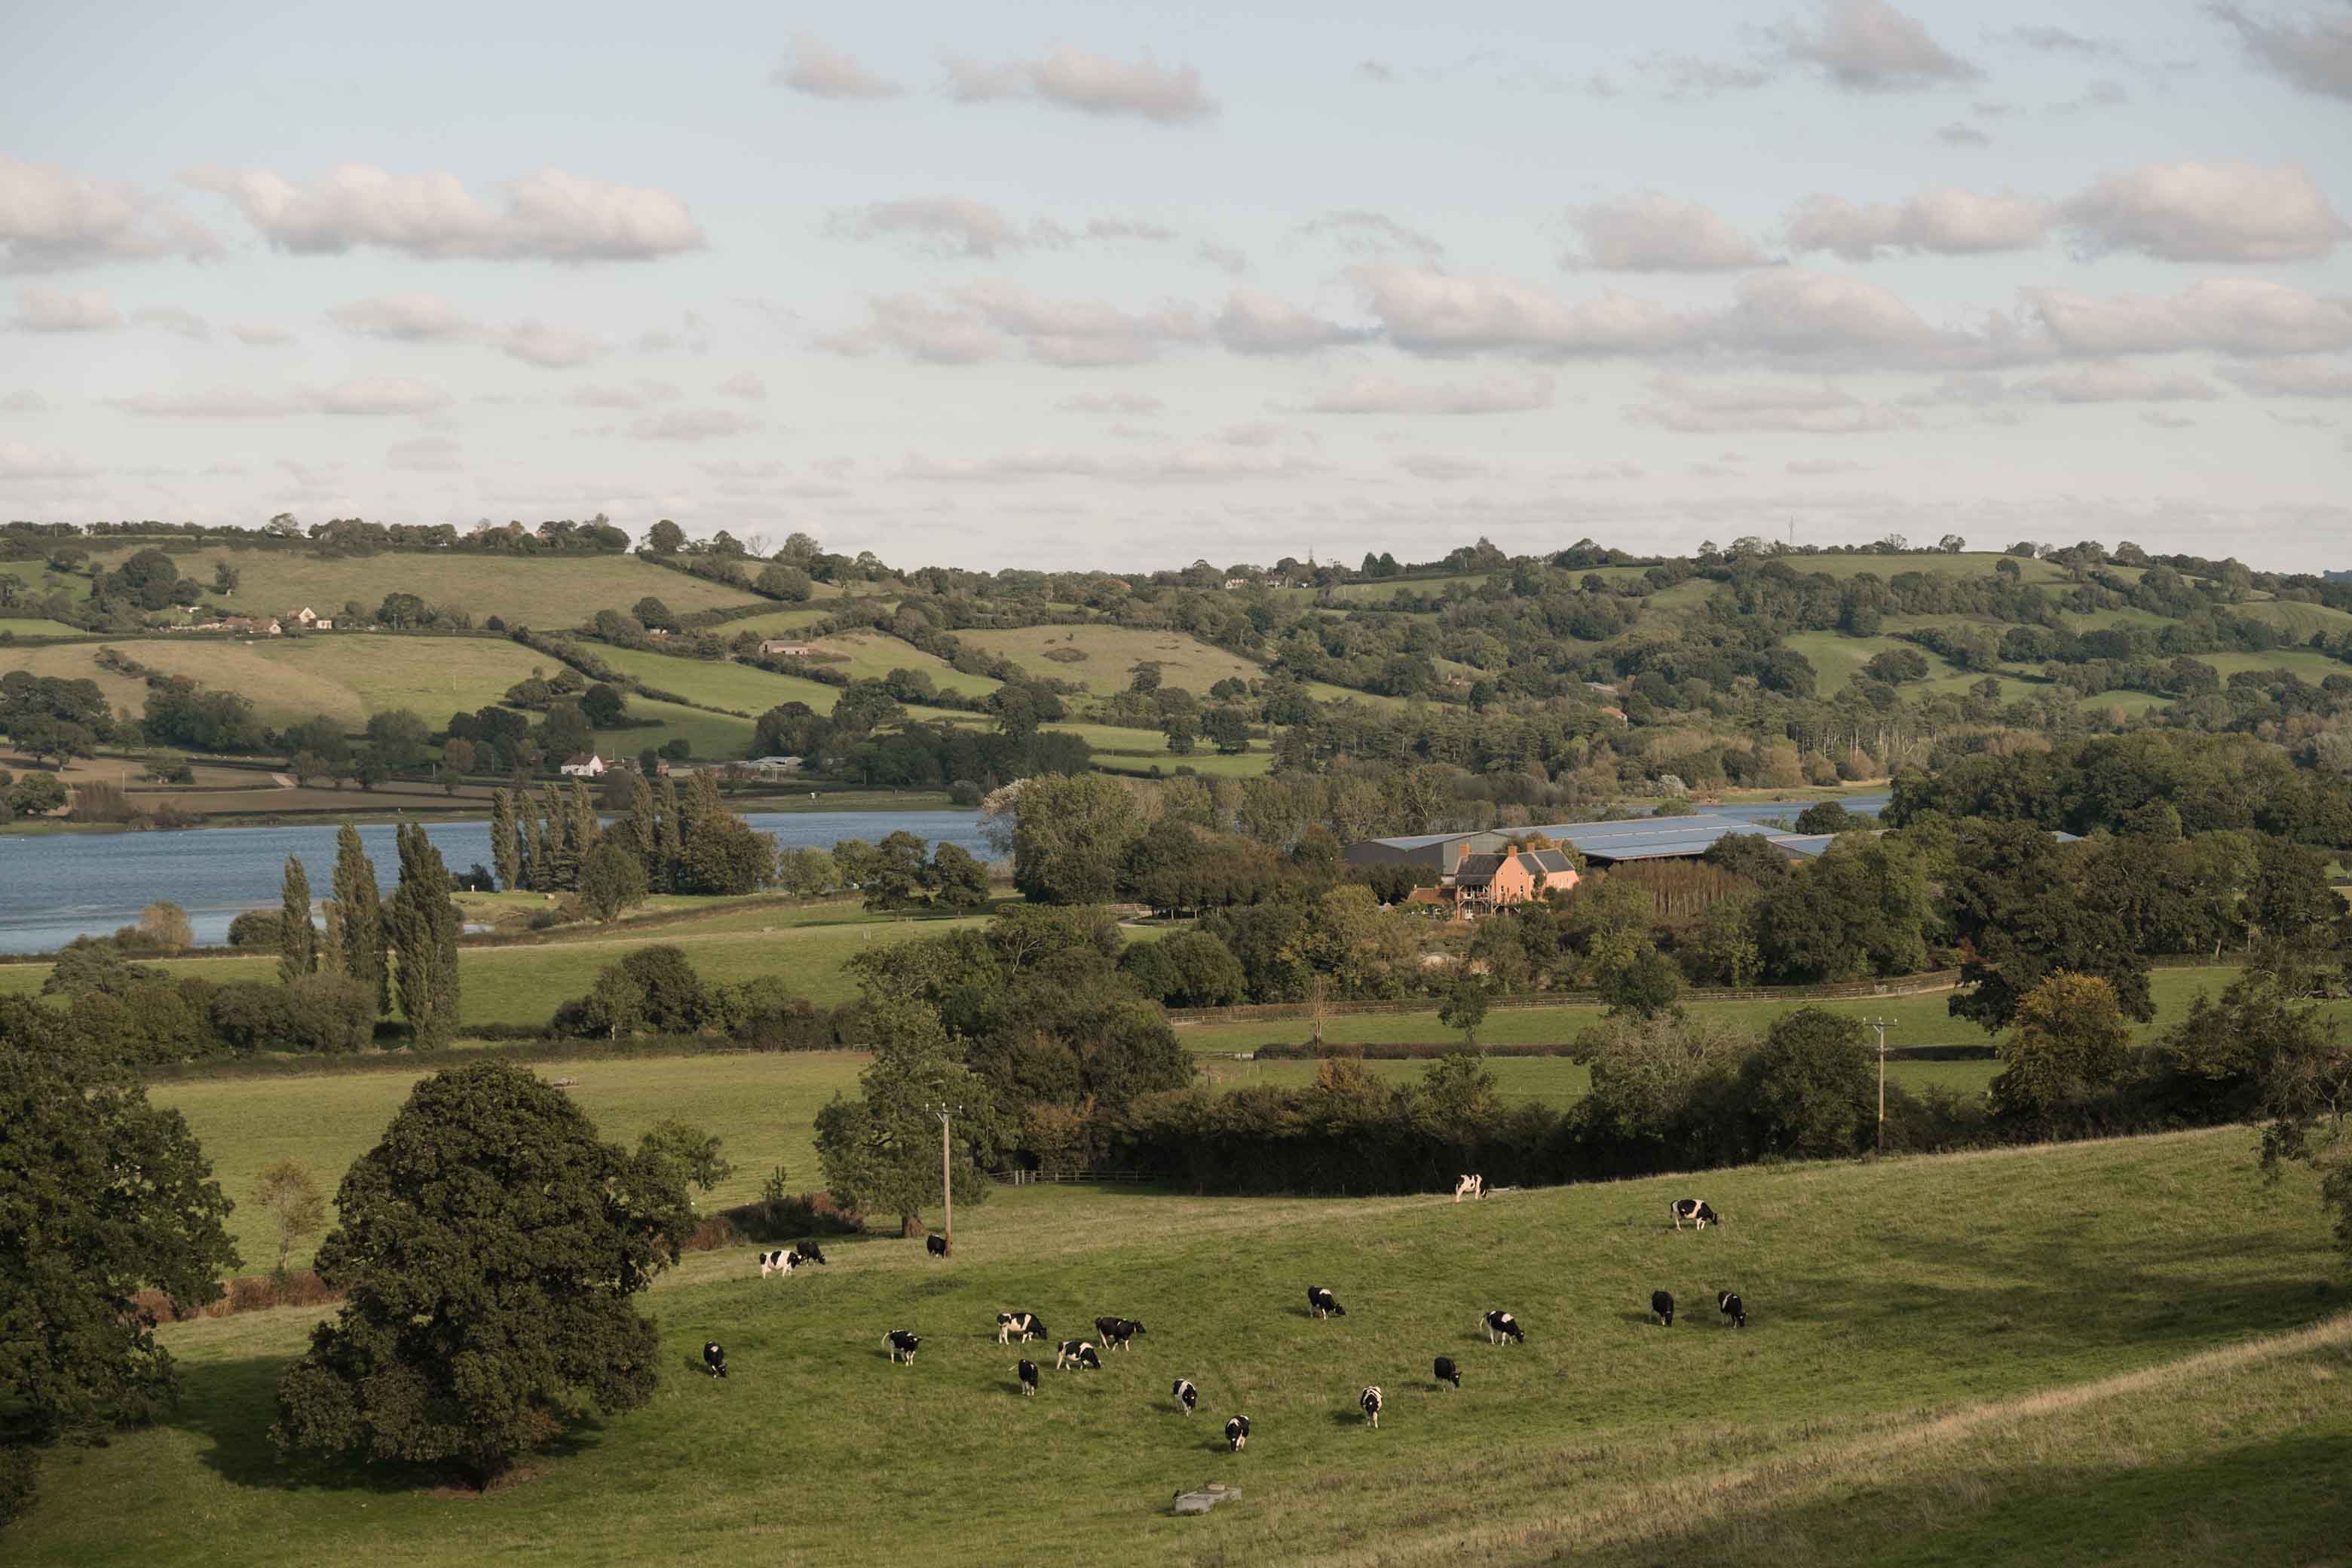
{"x": 477, "y": 1351}
{"x": 2066, "y": 1042}
{"x": 1645, "y": 986}
{"x": 604, "y": 706}
{"x": 289, "y": 1195}
{"x": 612, "y": 879}
{"x": 806, "y": 872}
{"x": 691, "y": 1153}
{"x": 1465, "y": 1008}
{"x": 165, "y": 924}
{"x": 780, "y": 581}
{"x": 723, "y": 855}
{"x": 2020, "y": 920}
{"x": 1810, "y": 1089}
{"x": 36, "y": 794}
{"x": 422, "y": 926}
{"x": 399, "y": 737}
{"x": 1070, "y": 833}
{"x": 880, "y": 1152}
{"x": 298, "y": 938}
{"x": 358, "y": 909}
{"x": 666, "y": 538}
{"x": 893, "y": 874}
{"x": 255, "y": 928}
{"x": 505, "y": 847}
{"x": 1228, "y": 729}
{"x": 955, "y": 879}
{"x": 1826, "y": 817}
{"x": 108, "y": 1195}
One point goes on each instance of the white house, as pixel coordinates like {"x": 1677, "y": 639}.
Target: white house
{"x": 775, "y": 648}
{"x": 584, "y": 765}
{"x": 305, "y": 617}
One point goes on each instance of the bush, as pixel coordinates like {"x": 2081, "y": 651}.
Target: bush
{"x": 789, "y": 1219}
{"x": 258, "y": 929}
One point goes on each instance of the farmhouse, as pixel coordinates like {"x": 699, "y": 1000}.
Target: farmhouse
{"x": 311, "y": 620}
{"x": 584, "y": 765}
{"x": 1491, "y": 882}
{"x": 776, "y": 648}
{"x": 1600, "y": 843}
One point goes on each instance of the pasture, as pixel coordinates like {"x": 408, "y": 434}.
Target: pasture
{"x": 1111, "y": 654}
{"x": 1935, "y": 1345}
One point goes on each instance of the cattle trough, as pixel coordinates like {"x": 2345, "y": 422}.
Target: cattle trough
{"x": 1207, "y": 1498}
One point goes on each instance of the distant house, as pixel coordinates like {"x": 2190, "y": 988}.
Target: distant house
{"x": 253, "y": 625}
{"x": 773, "y": 767}
{"x": 777, "y": 649}
{"x": 1496, "y": 881}
{"x": 584, "y": 765}
{"x": 306, "y": 616}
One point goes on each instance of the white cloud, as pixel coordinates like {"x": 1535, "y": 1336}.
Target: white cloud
{"x": 548, "y": 348}
{"x": 1651, "y": 232}
{"x": 2233, "y": 315}
{"x": 1946, "y": 222}
{"x": 912, "y": 326}
{"x": 1257, "y": 324}
{"x": 549, "y": 215}
{"x": 1093, "y": 84}
{"x": 405, "y": 318}
{"x": 646, "y": 391}
{"x": 1078, "y": 331}
{"x": 206, "y": 403}
{"x": 2292, "y": 378}
{"x": 26, "y": 401}
{"x": 370, "y": 395}
{"x": 1959, "y": 134}
{"x": 363, "y": 396}
{"x": 1442, "y": 469}
{"x": 2208, "y": 212}
{"x": 1796, "y": 313}
{"x": 51, "y": 219}
{"x": 940, "y": 225}
{"x": 47, "y": 310}
{"x": 814, "y": 68}
{"x": 1126, "y": 402}
{"x": 1870, "y": 46}
{"x": 746, "y": 385}
{"x": 173, "y": 319}
{"x": 1361, "y": 233}
{"x": 1379, "y": 394}
{"x": 2315, "y": 53}
{"x": 1815, "y": 409}
{"x": 2120, "y": 384}
{"x": 427, "y": 454}
{"x": 1426, "y": 311}
{"x": 256, "y": 335}
{"x": 19, "y": 461}
{"x": 692, "y": 424}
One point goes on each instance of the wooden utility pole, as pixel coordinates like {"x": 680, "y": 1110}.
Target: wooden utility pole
{"x": 1882, "y": 1026}
{"x": 946, "y": 1113}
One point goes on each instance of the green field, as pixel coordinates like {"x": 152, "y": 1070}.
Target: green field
{"x": 870, "y": 655}
{"x": 16, "y": 627}
{"x": 2298, "y": 620}
{"x": 1837, "y": 658}
{"x": 1112, "y": 653}
{"x": 1943, "y": 1363}
{"x": 777, "y": 623}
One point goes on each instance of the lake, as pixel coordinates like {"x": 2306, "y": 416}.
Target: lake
{"x": 57, "y": 888}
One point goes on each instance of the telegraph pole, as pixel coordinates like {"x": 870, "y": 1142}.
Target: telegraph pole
{"x": 947, "y": 1113}
{"x": 1882, "y": 1026}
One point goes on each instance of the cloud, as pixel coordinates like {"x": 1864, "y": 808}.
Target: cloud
{"x": 173, "y": 319}
{"x": 2165, "y": 419}
{"x": 1361, "y": 233}
{"x": 1374, "y": 70}
{"x": 1443, "y": 468}
{"x": 692, "y": 424}
{"x": 427, "y": 454}
{"x": 2292, "y": 378}
{"x": 1651, "y": 232}
{"x": 810, "y": 66}
{"x": 1077, "y": 331}
{"x": 1431, "y": 312}
{"x": 1870, "y": 46}
{"x": 2120, "y": 384}
{"x": 1688, "y": 76}
{"x": 1199, "y": 464}
{"x": 1257, "y": 324}
{"x": 746, "y": 385}
{"x": 548, "y": 348}
{"x": 1378, "y": 394}
{"x": 547, "y": 216}
{"x": 206, "y": 403}
{"x": 26, "y": 401}
{"x": 1075, "y": 78}
{"x": 645, "y": 392}
{"x": 380, "y": 395}
{"x": 405, "y": 318}
{"x": 47, "y": 310}
{"x": 2233, "y": 315}
{"x": 1223, "y": 256}
{"x": 919, "y": 330}
{"x": 2208, "y": 212}
{"x": 1959, "y": 134}
{"x": 1126, "y": 402}
{"x": 940, "y": 225}
{"x": 19, "y": 461}
{"x": 1792, "y": 312}
{"x": 2060, "y": 41}
{"x": 1946, "y": 222}
{"x": 1817, "y": 467}
{"x": 50, "y": 220}
{"x": 2316, "y": 54}
{"x": 253, "y": 335}
{"x": 362, "y": 397}
{"x": 1711, "y": 409}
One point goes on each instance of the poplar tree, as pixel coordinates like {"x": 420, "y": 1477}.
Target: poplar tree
{"x": 534, "y": 864}
{"x": 360, "y": 909}
{"x": 669, "y": 845}
{"x": 640, "y": 828}
{"x": 585, "y": 831}
{"x": 562, "y": 855}
{"x": 505, "y": 847}
{"x": 424, "y": 925}
{"x": 298, "y": 938}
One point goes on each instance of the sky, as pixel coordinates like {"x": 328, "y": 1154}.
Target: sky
{"x": 1129, "y": 285}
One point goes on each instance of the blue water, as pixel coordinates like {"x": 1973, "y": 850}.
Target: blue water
{"x": 55, "y": 889}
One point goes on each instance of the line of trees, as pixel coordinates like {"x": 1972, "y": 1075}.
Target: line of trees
{"x": 670, "y": 843}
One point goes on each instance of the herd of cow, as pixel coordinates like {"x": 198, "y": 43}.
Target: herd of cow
{"x": 1120, "y": 1334}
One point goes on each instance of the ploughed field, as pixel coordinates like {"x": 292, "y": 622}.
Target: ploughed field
{"x": 2106, "y": 1352}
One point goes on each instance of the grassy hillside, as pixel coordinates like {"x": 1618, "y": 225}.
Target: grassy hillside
{"x": 871, "y": 656}
{"x": 1943, "y": 1362}
{"x": 1112, "y": 653}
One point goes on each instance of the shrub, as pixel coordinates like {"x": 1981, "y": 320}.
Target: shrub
{"x": 255, "y": 928}
{"x": 790, "y": 1219}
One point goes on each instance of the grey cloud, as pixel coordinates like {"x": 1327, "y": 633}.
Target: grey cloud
{"x": 646, "y": 391}
{"x": 1378, "y": 394}
{"x": 1959, "y": 134}
{"x": 427, "y": 454}
{"x": 2208, "y": 212}
{"x": 2314, "y": 54}
{"x": 692, "y": 424}
{"x": 1651, "y": 232}
{"x": 746, "y": 385}
{"x": 1071, "y": 78}
{"x": 549, "y": 215}
{"x": 258, "y": 336}
{"x": 1438, "y": 467}
{"x": 942, "y": 225}
{"x": 1373, "y": 70}
{"x": 23, "y": 401}
{"x": 1824, "y": 466}
{"x": 47, "y": 310}
{"x": 1193, "y": 464}
{"x": 1128, "y": 403}
{"x": 1257, "y": 324}
{"x": 20, "y": 461}
{"x": 173, "y": 319}
{"x": 2234, "y": 315}
{"x": 1362, "y": 233}
{"x": 1429, "y": 313}
{"x": 812, "y": 67}
{"x": 1224, "y": 256}
{"x": 379, "y": 395}
{"x": 405, "y": 318}
{"x": 919, "y": 330}
{"x": 2292, "y": 378}
{"x": 2051, "y": 40}
{"x": 1947, "y": 222}
{"x": 1689, "y": 76}
{"x": 2165, "y": 419}
{"x": 51, "y": 219}
{"x": 548, "y": 348}
{"x": 1806, "y": 408}
{"x": 1871, "y": 47}
{"x": 2120, "y": 384}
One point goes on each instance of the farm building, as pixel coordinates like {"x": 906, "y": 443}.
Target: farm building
{"x": 584, "y": 765}
{"x": 1600, "y": 843}
{"x": 775, "y": 648}
{"x": 1494, "y": 881}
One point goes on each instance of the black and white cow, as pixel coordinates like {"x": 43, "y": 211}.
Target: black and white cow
{"x": 1028, "y": 1373}
{"x": 1117, "y": 1332}
{"x": 937, "y": 1245}
{"x": 1662, "y": 1307}
{"x": 902, "y": 1345}
{"x": 1446, "y": 1371}
{"x": 1370, "y": 1400}
{"x": 1469, "y": 1187}
{"x": 1322, "y": 1303}
{"x": 1696, "y": 1211}
{"x": 780, "y": 1261}
{"x": 714, "y": 1359}
{"x": 1026, "y": 1326}
{"x": 1075, "y": 1354}
{"x": 1502, "y": 1327}
{"x": 1185, "y": 1394}
{"x": 1236, "y": 1434}
{"x": 1732, "y": 1308}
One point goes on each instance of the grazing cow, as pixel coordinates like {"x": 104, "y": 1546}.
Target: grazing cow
{"x": 809, "y": 1252}
{"x": 1076, "y": 1353}
{"x": 1236, "y": 1434}
{"x": 1371, "y": 1401}
{"x": 1662, "y": 1307}
{"x": 1321, "y": 1303}
{"x": 1696, "y": 1211}
{"x": 1502, "y": 1327}
{"x": 714, "y": 1359}
{"x": 1446, "y": 1371}
{"x": 1028, "y": 1372}
{"x": 1027, "y": 1325}
{"x": 1733, "y": 1308}
{"x": 1117, "y": 1331}
{"x": 902, "y": 1345}
{"x": 778, "y": 1262}
{"x": 1185, "y": 1394}
{"x": 937, "y": 1245}
{"x": 1469, "y": 1187}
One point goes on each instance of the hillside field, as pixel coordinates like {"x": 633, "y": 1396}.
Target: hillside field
{"x": 1943, "y": 1362}
{"x": 1111, "y": 654}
